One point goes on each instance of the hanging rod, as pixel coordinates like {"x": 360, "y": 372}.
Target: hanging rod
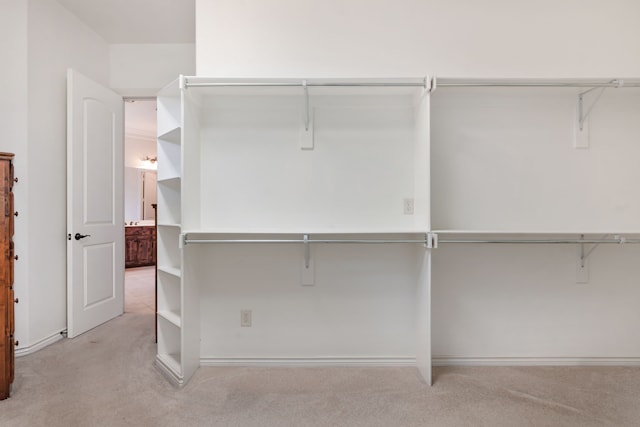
{"x": 422, "y": 82}
{"x": 617, "y": 241}
{"x": 459, "y": 82}
{"x": 305, "y": 241}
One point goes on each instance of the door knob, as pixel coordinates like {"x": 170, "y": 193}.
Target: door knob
{"x": 79, "y": 236}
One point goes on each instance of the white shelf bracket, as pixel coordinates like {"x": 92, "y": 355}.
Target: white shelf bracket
{"x": 582, "y": 130}
{"x": 307, "y": 253}
{"x": 431, "y": 240}
{"x": 306, "y": 105}
{"x": 583, "y": 258}
{"x": 308, "y": 268}
{"x": 430, "y": 85}
{"x": 306, "y": 137}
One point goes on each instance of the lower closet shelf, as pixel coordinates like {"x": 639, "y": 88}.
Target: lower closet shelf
{"x": 171, "y": 316}
{"x": 170, "y": 361}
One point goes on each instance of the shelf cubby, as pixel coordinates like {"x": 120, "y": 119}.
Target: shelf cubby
{"x": 369, "y": 156}
{"x": 169, "y": 159}
{"x": 169, "y": 201}
{"x": 169, "y": 257}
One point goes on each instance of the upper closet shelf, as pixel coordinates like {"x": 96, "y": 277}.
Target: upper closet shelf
{"x": 536, "y": 238}
{"x": 307, "y": 238}
{"x": 577, "y": 83}
{"x": 254, "y": 86}
{"x": 538, "y": 233}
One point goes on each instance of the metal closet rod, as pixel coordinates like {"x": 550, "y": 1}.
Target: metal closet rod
{"x": 618, "y": 241}
{"x": 301, "y": 84}
{"x": 424, "y": 82}
{"x": 543, "y": 241}
{"x": 352, "y": 241}
{"x": 459, "y": 82}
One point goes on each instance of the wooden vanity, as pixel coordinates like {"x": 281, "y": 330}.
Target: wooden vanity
{"x": 140, "y": 245}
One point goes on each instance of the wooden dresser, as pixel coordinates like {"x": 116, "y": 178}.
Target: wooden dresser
{"x": 6, "y": 275}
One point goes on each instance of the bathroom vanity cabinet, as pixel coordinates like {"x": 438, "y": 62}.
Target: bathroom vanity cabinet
{"x": 140, "y": 246}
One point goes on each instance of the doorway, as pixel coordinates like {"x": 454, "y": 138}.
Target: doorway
{"x": 140, "y": 175}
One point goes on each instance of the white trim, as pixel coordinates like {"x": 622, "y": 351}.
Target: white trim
{"x": 536, "y": 361}
{"x": 140, "y": 134}
{"x": 168, "y": 373}
{"x": 310, "y": 361}
{"x": 39, "y": 345}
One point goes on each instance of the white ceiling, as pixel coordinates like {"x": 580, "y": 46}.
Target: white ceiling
{"x": 137, "y": 21}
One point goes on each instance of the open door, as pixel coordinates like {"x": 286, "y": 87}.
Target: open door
{"x": 95, "y": 212}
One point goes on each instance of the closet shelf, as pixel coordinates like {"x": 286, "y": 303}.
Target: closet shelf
{"x": 307, "y": 238}
{"x": 170, "y": 270}
{"x": 171, "y": 316}
{"x": 310, "y": 231}
{"x": 170, "y": 361}
{"x": 598, "y": 233}
{"x": 274, "y": 86}
{"x": 173, "y": 181}
{"x": 172, "y": 135}
{"x": 169, "y": 224}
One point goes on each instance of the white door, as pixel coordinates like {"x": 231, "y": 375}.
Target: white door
{"x": 95, "y": 212}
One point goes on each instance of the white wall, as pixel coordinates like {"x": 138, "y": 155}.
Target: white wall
{"x": 57, "y": 40}
{"x": 142, "y": 69}
{"x": 13, "y": 117}
{"x": 492, "y": 38}
{"x": 41, "y": 40}
{"x": 498, "y": 302}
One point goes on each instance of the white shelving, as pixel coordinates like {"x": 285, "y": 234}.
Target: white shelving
{"x": 266, "y": 161}
{"x": 170, "y": 356}
{"x": 342, "y": 161}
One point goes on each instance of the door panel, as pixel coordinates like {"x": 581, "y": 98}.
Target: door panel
{"x": 95, "y": 170}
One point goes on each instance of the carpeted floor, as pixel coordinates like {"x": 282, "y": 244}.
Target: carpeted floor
{"x": 106, "y": 377}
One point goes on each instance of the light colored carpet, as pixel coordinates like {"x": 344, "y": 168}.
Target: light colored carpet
{"x": 106, "y": 377}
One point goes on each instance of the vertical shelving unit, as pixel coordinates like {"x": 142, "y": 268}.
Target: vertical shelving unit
{"x": 171, "y": 325}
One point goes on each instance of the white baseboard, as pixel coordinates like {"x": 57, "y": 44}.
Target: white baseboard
{"x": 39, "y": 345}
{"x": 310, "y": 361}
{"x": 411, "y": 361}
{"x": 168, "y": 373}
{"x": 535, "y": 361}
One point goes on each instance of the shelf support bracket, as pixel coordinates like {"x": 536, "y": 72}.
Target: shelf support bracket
{"x": 430, "y": 85}
{"x": 306, "y": 137}
{"x": 306, "y": 105}
{"x": 583, "y": 257}
{"x": 307, "y": 253}
{"x": 431, "y": 240}
{"x": 582, "y": 130}
{"x": 308, "y": 269}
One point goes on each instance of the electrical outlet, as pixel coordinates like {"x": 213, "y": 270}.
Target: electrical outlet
{"x": 245, "y": 318}
{"x": 407, "y": 206}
